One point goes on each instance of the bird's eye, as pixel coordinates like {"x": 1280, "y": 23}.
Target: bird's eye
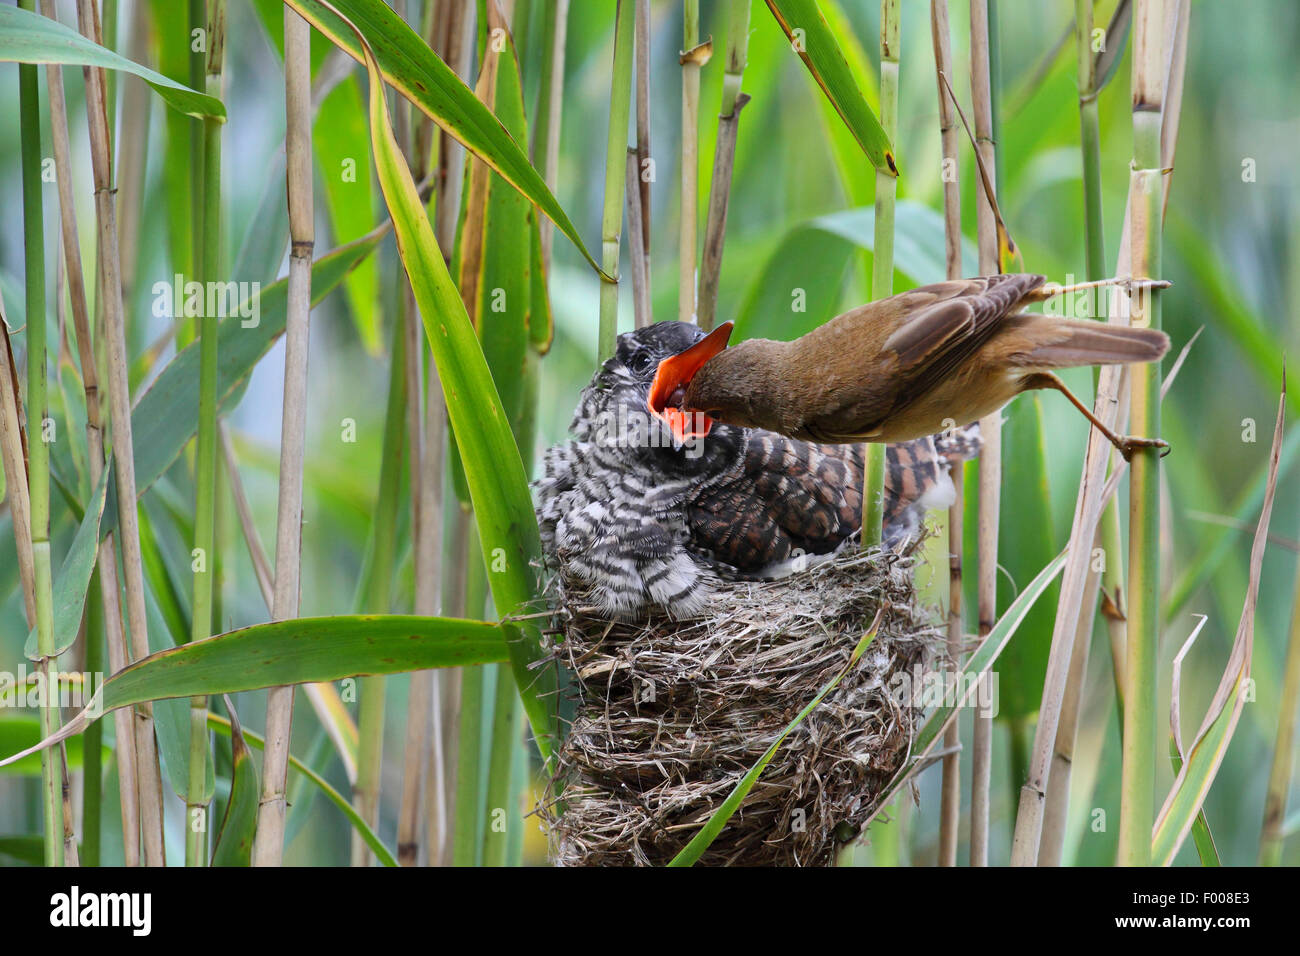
{"x": 640, "y": 362}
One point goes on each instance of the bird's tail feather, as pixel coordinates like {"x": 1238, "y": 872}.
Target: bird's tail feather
{"x": 1097, "y": 343}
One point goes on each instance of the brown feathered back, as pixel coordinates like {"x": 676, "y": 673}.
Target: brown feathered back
{"x": 914, "y": 364}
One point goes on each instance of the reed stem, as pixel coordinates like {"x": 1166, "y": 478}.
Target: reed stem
{"x": 615, "y": 177}
{"x": 641, "y": 311}
{"x": 1273, "y": 835}
{"x": 882, "y": 262}
{"x": 693, "y": 57}
{"x": 456, "y": 53}
{"x": 468, "y": 840}
{"x": 724, "y": 160}
{"x": 198, "y": 21}
{"x": 1039, "y": 824}
{"x": 1137, "y": 801}
{"x": 1057, "y": 797}
{"x": 374, "y": 587}
{"x": 108, "y": 619}
{"x": 425, "y": 531}
{"x": 983, "y": 54}
{"x": 454, "y": 50}
{"x": 638, "y": 178}
{"x": 995, "y": 87}
{"x": 149, "y": 777}
{"x": 92, "y": 767}
{"x": 501, "y": 806}
{"x": 133, "y": 149}
{"x": 550, "y": 100}
{"x": 205, "y": 469}
{"x": 372, "y": 695}
{"x": 268, "y": 844}
{"x": 38, "y": 451}
{"x": 450, "y": 716}
{"x": 13, "y": 450}
{"x": 1090, "y": 142}
{"x": 426, "y": 448}
{"x": 950, "y": 799}
{"x": 1112, "y": 541}
{"x": 643, "y": 164}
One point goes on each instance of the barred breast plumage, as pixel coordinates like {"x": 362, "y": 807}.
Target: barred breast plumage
{"x": 641, "y": 520}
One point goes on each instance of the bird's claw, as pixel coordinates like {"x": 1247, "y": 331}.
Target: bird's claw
{"x": 1129, "y": 444}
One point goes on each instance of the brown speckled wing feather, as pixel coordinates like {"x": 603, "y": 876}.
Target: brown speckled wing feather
{"x": 787, "y": 497}
{"x": 935, "y": 339}
{"x": 790, "y": 497}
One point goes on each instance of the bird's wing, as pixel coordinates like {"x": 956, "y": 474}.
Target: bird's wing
{"x": 791, "y": 497}
{"x": 935, "y": 329}
{"x": 933, "y": 339}
{"x": 786, "y": 498}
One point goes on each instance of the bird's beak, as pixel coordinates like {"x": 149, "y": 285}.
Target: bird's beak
{"x": 676, "y": 373}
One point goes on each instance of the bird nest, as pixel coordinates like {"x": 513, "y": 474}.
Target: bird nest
{"x": 671, "y": 714}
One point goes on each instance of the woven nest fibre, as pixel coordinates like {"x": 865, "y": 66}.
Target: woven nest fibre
{"x": 671, "y": 714}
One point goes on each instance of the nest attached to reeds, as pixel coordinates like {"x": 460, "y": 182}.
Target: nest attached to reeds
{"x": 671, "y": 714}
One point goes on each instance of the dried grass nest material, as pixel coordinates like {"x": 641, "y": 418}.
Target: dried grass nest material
{"x": 671, "y": 714}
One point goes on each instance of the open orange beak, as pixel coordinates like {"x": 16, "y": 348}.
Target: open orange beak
{"x": 672, "y": 377}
